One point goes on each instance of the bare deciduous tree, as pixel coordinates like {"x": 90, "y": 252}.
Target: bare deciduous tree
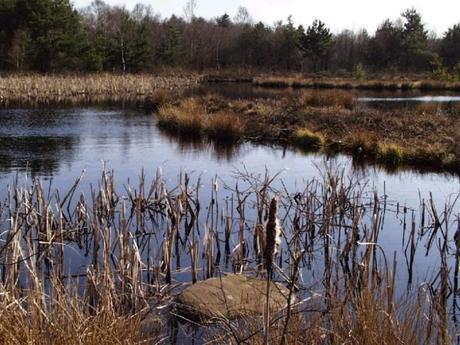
{"x": 189, "y": 10}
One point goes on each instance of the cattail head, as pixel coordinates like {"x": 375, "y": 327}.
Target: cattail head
{"x": 272, "y": 234}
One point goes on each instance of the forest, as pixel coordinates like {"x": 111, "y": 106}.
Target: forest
{"x": 55, "y": 36}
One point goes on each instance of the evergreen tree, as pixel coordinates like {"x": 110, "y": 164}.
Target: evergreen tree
{"x": 316, "y": 43}
{"x": 450, "y": 46}
{"x": 171, "y": 47}
{"x": 55, "y": 33}
{"x": 10, "y": 23}
{"x": 414, "y": 40}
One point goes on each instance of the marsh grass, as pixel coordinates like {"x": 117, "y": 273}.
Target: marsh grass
{"x": 187, "y": 117}
{"x": 423, "y": 137}
{"x": 224, "y": 125}
{"x": 361, "y": 320}
{"x": 67, "y": 319}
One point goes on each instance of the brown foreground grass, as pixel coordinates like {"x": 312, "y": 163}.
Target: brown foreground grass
{"x": 361, "y": 320}
{"x": 424, "y": 136}
{"x": 66, "y": 320}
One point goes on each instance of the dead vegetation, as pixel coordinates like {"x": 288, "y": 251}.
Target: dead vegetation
{"x": 321, "y": 241}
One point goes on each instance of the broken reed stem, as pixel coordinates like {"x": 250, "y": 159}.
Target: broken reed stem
{"x": 272, "y": 233}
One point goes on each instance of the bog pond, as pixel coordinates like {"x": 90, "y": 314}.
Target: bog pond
{"x": 416, "y": 209}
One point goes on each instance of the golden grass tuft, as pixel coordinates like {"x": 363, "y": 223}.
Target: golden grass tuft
{"x": 308, "y": 139}
{"x": 224, "y": 125}
{"x": 68, "y": 322}
{"x": 391, "y": 153}
{"x": 364, "y": 319}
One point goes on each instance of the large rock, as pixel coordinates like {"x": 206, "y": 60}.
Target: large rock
{"x": 230, "y": 297}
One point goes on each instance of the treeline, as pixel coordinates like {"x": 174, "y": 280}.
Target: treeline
{"x": 53, "y": 36}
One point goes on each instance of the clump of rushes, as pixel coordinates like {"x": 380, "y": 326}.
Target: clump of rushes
{"x": 192, "y": 115}
{"x": 391, "y": 153}
{"x": 273, "y": 82}
{"x": 308, "y": 139}
{"x": 186, "y": 117}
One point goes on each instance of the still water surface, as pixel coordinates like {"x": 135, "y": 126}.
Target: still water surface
{"x": 58, "y": 144}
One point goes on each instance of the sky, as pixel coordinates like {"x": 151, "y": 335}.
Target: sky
{"x": 337, "y": 14}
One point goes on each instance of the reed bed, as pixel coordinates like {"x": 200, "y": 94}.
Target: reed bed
{"x": 38, "y": 89}
{"x": 135, "y": 243}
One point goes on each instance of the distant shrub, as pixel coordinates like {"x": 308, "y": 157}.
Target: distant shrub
{"x": 360, "y": 72}
{"x": 441, "y": 72}
{"x": 456, "y": 72}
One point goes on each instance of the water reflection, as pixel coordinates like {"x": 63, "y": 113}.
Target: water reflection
{"x": 37, "y": 155}
{"x": 221, "y": 150}
{"x": 50, "y": 142}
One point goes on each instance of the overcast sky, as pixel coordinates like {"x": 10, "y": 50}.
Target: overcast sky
{"x": 338, "y": 14}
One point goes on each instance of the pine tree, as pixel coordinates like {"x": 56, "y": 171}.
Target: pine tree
{"x": 316, "y": 43}
{"x": 414, "y": 40}
{"x": 450, "y": 46}
{"x": 55, "y": 33}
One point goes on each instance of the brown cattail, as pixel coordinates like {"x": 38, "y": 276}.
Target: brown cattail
{"x": 272, "y": 234}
